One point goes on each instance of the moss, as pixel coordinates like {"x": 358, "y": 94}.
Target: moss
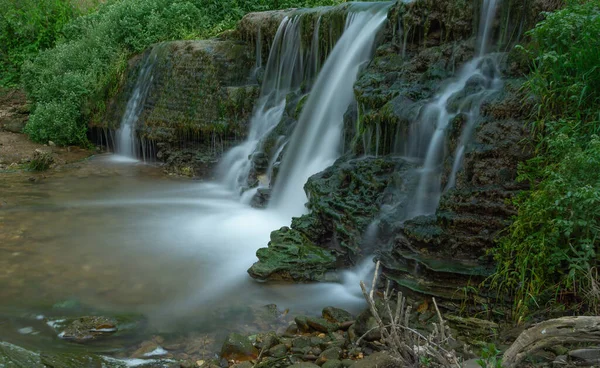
{"x": 291, "y": 256}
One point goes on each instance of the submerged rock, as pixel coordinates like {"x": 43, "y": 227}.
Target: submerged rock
{"x": 238, "y": 347}
{"x": 89, "y": 328}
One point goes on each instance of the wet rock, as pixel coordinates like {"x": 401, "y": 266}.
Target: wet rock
{"x": 89, "y": 328}
{"x": 261, "y": 198}
{"x": 303, "y": 365}
{"x": 379, "y": 360}
{"x": 329, "y": 354}
{"x": 302, "y": 323}
{"x": 190, "y": 131}
{"x": 238, "y": 347}
{"x": 333, "y": 363}
{"x": 321, "y": 325}
{"x": 336, "y": 315}
{"x": 292, "y": 257}
{"x": 278, "y": 351}
{"x": 243, "y": 365}
{"x": 74, "y": 360}
{"x": 267, "y": 340}
{"x": 343, "y": 201}
{"x": 17, "y": 357}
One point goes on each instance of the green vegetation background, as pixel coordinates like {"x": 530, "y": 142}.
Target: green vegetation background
{"x": 70, "y": 62}
{"x": 549, "y": 256}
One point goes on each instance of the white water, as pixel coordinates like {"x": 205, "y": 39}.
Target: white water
{"x": 315, "y": 142}
{"x": 127, "y": 146}
{"x": 283, "y": 70}
{"x": 481, "y": 75}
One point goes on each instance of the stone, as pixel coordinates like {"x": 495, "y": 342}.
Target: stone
{"x": 321, "y": 325}
{"x": 336, "y": 315}
{"x": 243, "y": 365}
{"x": 89, "y": 328}
{"x": 378, "y": 360}
{"x": 302, "y": 323}
{"x": 290, "y": 256}
{"x": 278, "y": 351}
{"x": 302, "y": 342}
{"x": 267, "y": 340}
{"x": 329, "y": 354}
{"x": 12, "y": 356}
{"x": 333, "y": 363}
{"x": 347, "y": 362}
{"x": 303, "y": 365}
{"x": 238, "y": 347}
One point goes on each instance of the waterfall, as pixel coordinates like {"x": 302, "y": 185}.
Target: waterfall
{"x": 315, "y": 142}
{"x": 127, "y": 144}
{"x": 283, "y": 73}
{"x": 295, "y": 68}
{"x": 476, "y": 80}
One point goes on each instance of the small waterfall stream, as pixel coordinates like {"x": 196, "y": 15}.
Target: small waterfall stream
{"x": 476, "y": 80}
{"x": 127, "y": 143}
{"x": 314, "y": 144}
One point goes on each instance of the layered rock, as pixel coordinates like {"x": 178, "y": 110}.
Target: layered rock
{"x": 343, "y": 201}
{"x": 198, "y": 103}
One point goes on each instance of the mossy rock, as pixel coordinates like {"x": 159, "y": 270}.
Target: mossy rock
{"x": 290, "y": 256}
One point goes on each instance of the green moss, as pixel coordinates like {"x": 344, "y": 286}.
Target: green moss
{"x": 292, "y": 256}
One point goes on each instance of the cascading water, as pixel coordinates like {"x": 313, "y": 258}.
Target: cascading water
{"x": 284, "y": 73}
{"x": 126, "y": 140}
{"x": 314, "y": 144}
{"x": 476, "y": 80}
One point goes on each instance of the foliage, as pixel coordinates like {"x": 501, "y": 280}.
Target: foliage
{"x": 27, "y": 26}
{"x": 74, "y": 79}
{"x": 490, "y": 357}
{"x": 551, "y": 247}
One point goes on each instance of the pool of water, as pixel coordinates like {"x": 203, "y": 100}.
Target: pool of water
{"x": 122, "y": 236}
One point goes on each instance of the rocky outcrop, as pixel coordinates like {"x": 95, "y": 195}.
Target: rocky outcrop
{"x": 343, "y": 200}
{"x": 198, "y": 103}
{"x": 14, "y": 111}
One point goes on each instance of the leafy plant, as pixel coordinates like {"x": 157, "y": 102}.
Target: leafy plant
{"x": 27, "y": 26}
{"x": 490, "y": 357}
{"x": 551, "y": 248}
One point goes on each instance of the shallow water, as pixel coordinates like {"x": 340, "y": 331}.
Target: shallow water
{"x": 123, "y": 237}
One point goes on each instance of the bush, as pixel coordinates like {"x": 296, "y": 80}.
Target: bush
{"x": 551, "y": 248}
{"x": 27, "y": 26}
{"x": 75, "y": 78}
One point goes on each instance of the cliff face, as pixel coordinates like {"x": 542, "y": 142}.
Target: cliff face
{"x": 357, "y": 208}
{"x": 197, "y": 105}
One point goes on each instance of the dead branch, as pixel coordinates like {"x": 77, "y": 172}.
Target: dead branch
{"x": 561, "y": 331}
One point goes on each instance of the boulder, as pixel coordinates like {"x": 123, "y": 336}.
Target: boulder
{"x": 238, "y": 347}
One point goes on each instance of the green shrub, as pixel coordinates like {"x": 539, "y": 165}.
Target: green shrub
{"x": 551, "y": 249}
{"x": 74, "y": 79}
{"x": 27, "y": 26}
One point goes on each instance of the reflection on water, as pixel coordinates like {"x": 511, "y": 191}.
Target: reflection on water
{"x": 121, "y": 236}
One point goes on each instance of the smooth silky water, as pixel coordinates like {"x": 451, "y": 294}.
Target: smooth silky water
{"x": 124, "y": 238}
